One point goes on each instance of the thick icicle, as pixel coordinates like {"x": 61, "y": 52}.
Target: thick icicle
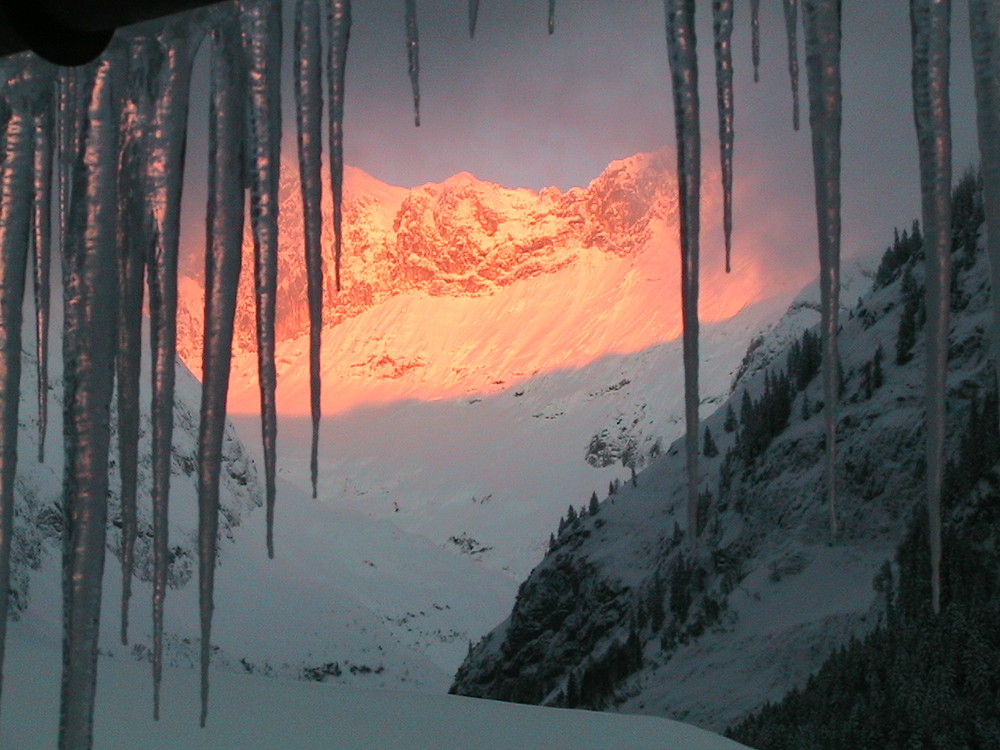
{"x": 930, "y": 21}
{"x": 552, "y": 16}
{"x": 791, "y": 23}
{"x": 413, "y": 54}
{"x": 984, "y": 27}
{"x": 473, "y": 16}
{"x": 261, "y": 34}
{"x": 309, "y": 116}
{"x": 722, "y": 27}
{"x": 681, "y": 44}
{"x": 339, "y": 24}
{"x": 41, "y": 237}
{"x": 91, "y": 305}
{"x": 223, "y": 242}
{"x": 15, "y": 184}
{"x": 164, "y": 184}
{"x": 134, "y": 234}
{"x": 821, "y": 19}
{"x": 755, "y": 34}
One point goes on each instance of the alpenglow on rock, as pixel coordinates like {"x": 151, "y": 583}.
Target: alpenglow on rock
{"x": 91, "y": 106}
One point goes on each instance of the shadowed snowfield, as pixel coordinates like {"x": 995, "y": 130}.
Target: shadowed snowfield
{"x": 256, "y": 712}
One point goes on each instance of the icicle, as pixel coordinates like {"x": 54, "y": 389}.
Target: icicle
{"x": 261, "y": 34}
{"x": 15, "y": 184}
{"x": 413, "y": 52}
{"x": 340, "y": 33}
{"x": 791, "y": 22}
{"x": 552, "y": 16}
{"x": 473, "y": 16}
{"x": 930, "y": 21}
{"x": 722, "y": 27}
{"x": 224, "y": 235}
{"x": 339, "y": 24}
{"x": 681, "y": 44}
{"x": 164, "y": 184}
{"x": 134, "y": 235}
{"x": 984, "y": 27}
{"x": 309, "y": 116}
{"x": 821, "y": 19}
{"x": 755, "y": 33}
{"x": 91, "y": 304}
{"x": 41, "y": 234}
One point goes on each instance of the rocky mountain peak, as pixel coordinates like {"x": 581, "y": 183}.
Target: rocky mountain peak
{"x": 460, "y": 237}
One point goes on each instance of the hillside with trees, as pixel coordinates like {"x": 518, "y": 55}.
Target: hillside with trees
{"x": 623, "y": 615}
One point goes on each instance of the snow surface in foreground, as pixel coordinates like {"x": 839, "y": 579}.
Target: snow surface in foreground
{"x": 256, "y": 712}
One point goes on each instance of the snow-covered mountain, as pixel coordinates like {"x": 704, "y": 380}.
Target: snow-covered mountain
{"x": 619, "y": 615}
{"x": 39, "y": 487}
{"x": 347, "y": 600}
{"x": 493, "y": 353}
{"x": 465, "y": 283}
{"x": 488, "y": 340}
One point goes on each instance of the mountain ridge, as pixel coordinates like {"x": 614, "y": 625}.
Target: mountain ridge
{"x": 620, "y": 616}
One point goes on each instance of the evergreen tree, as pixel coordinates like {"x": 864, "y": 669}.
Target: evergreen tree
{"x": 906, "y": 338}
{"x": 878, "y": 376}
{"x": 806, "y": 408}
{"x": 730, "y": 423}
{"x": 594, "y": 506}
{"x": 867, "y": 382}
{"x": 709, "y": 448}
{"x": 611, "y": 488}
{"x": 746, "y": 410}
{"x": 571, "y": 516}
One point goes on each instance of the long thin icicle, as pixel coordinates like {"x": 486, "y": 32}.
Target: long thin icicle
{"x": 339, "y": 25}
{"x": 91, "y": 304}
{"x": 791, "y": 31}
{"x": 134, "y": 235}
{"x": 821, "y": 19}
{"x": 755, "y": 34}
{"x": 15, "y": 184}
{"x": 309, "y": 117}
{"x": 413, "y": 56}
{"x": 552, "y": 16}
{"x": 722, "y": 28}
{"x": 164, "y": 184}
{"x": 41, "y": 237}
{"x": 70, "y": 91}
{"x": 930, "y": 21}
{"x": 261, "y": 33}
{"x": 681, "y": 45}
{"x": 223, "y": 243}
{"x": 473, "y": 16}
{"x": 984, "y": 28}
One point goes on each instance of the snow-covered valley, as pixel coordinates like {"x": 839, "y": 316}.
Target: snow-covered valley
{"x": 459, "y": 425}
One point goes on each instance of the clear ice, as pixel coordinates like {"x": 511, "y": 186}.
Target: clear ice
{"x": 821, "y": 19}
{"x": 681, "y": 46}
{"x": 930, "y": 21}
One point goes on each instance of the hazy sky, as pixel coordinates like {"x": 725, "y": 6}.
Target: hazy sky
{"x": 521, "y": 108}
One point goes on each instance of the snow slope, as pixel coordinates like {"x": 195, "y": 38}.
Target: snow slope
{"x": 252, "y": 712}
{"x": 769, "y": 595}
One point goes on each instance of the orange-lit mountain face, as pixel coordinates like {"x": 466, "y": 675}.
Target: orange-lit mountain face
{"x": 458, "y": 287}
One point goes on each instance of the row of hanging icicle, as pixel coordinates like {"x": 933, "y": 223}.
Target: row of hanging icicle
{"x": 104, "y": 144}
